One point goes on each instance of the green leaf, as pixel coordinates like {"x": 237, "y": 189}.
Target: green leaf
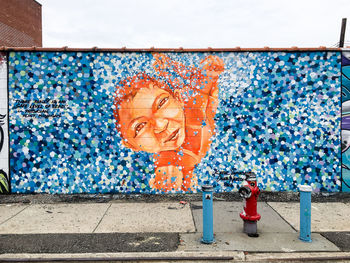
{"x": 4, "y": 186}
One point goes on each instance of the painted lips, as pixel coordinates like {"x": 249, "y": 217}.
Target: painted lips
{"x": 173, "y": 136}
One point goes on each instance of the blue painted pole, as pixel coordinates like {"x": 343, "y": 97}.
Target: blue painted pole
{"x": 208, "y": 232}
{"x": 305, "y": 213}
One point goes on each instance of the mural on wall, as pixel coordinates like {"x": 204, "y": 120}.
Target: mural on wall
{"x": 173, "y": 119}
{"x": 345, "y": 121}
{"x": 4, "y": 173}
{"x": 164, "y": 123}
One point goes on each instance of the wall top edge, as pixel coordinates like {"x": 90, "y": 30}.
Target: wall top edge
{"x": 124, "y": 49}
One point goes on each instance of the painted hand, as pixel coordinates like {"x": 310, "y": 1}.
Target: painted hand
{"x": 213, "y": 66}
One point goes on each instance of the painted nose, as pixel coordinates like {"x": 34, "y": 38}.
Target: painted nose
{"x": 160, "y": 125}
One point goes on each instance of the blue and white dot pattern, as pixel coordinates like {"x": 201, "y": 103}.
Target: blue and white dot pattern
{"x": 278, "y": 115}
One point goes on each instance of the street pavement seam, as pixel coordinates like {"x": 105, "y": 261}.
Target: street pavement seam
{"x": 282, "y": 217}
{"x": 8, "y": 219}
{"x": 194, "y": 221}
{"x": 102, "y": 218}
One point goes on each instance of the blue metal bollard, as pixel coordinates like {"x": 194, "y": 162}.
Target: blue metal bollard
{"x": 208, "y": 232}
{"x": 305, "y": 213}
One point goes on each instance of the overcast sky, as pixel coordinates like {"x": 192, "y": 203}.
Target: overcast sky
{"x": 193, "y": 23}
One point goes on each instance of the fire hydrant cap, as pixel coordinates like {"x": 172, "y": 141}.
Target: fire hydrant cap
{"x": 207, "y": 188}
{"x": 305, "y": 188}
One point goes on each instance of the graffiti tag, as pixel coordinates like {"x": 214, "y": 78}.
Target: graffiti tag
{"x": 2, "y": 136}
{"x": 4, "y": 182}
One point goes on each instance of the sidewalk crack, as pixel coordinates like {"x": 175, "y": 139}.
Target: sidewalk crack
{"x": 8, "y": 219}
{"x": 282, "y": 217}
{"x": 193, "y": 220}
{"x": 102, "y": 218}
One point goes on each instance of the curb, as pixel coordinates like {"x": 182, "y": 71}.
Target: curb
{"x": 217, "y": 256}
{"x": 223, "y": 256}
{"x": 297, "y": 257}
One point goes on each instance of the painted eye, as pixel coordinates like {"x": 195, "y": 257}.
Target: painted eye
{"x": 139, "y": 127}
{"x": 162, "y": 102}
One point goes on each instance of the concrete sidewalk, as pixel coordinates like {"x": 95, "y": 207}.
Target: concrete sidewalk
{"x": 168, "y": 230}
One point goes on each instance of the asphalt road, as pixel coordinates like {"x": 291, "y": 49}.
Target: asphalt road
{"x": 340, "y": 239}
{"x": 89, "y": 243}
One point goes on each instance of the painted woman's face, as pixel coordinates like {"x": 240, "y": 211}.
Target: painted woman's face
{"x": 153, "y": 120}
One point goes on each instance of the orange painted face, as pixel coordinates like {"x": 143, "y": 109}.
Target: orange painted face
{"x": 153, "y": 120}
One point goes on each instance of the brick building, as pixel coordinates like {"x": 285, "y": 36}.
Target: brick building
{"x": 20, "y": 23}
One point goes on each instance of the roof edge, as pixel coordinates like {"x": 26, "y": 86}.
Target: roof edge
{"x": 180, "y": 49}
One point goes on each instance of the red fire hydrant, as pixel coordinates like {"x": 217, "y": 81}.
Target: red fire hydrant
{"x": 250, "y": 192}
